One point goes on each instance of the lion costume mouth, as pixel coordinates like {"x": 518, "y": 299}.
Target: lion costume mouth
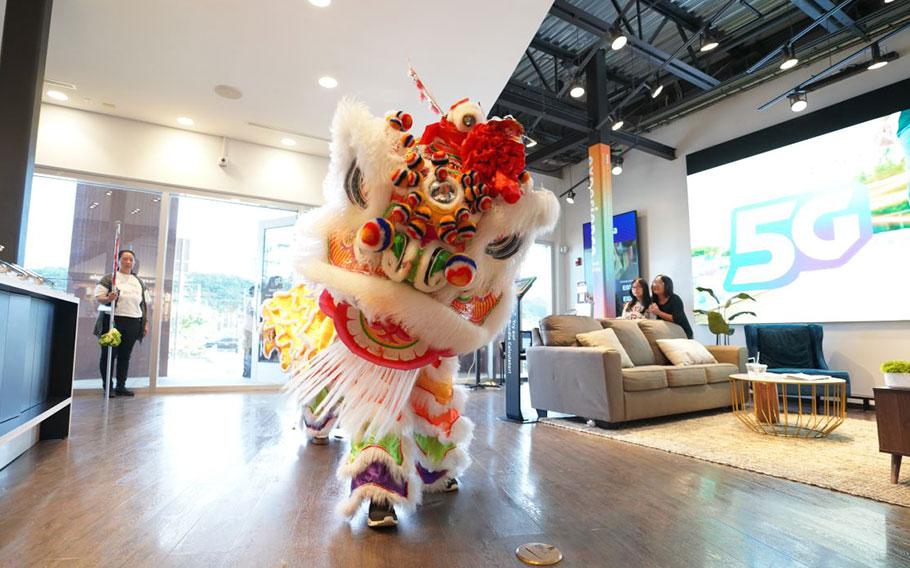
{"x": 383, "y": 342}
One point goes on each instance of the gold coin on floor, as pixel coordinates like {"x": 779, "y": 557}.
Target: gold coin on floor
{"x": 538, "y": 554}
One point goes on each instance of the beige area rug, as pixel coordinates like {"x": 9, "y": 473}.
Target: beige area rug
{"x": 847, "y": 461}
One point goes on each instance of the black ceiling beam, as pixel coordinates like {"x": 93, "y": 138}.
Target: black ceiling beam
{"x": 817, "y": 22}
{"x": 518, "y": 97}
{"x": 544, "y": 46}
{"x": 557, "y": 147}
{"x": 536, "y": 67}
{"x": 679, "y": 15}
{"x": 549, "y": 48}
{"x": 810, "y": 9}
{"x": 565, "y": 11}
{"x": 843, "y": 18}
{"x": 675, "y": 66}
{"x": 557, "y": 111}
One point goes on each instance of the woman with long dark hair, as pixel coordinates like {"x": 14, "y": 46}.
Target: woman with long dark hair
{"x": 667, "y": 305}
{"x": 637, "y": 307}
{"x": 130, "y": 318}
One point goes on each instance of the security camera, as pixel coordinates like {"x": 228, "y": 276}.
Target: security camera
{"x": 222, "y": 162}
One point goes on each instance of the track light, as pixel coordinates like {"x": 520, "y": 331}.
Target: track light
{"x": 617, "y": 124}
{"x": 877, "y": 61}
{"x": 617, "y": 166}
{"x": 618, "y": 40}
{"x": 789, "y": 59}
{"x": 798, "y": 101}
{"x": 570, "y": 197}
{"x": 577, "y": 91}
{"x": 709, "y": 41}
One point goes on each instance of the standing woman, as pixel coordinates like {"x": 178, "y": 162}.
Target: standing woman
{"x": 129, "y": 318}
{"x": 667, "y": 305}
{"x": 637, "y": 307}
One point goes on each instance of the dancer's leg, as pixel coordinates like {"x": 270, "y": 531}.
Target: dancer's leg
{"x": 441, "y": 433}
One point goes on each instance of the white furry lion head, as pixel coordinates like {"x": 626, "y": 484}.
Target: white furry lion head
{"x": 420, "y": 239}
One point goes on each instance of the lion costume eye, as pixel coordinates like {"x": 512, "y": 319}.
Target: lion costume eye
{"x": 353, "y": 186}
{"x": 505, "y": 247}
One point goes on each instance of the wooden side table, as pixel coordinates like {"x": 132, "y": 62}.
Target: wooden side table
{"x": 892, "y": 413}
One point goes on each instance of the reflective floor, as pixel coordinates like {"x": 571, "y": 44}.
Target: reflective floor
{"x": 223, "y": 480}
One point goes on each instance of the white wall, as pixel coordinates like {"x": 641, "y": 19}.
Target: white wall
{"x": 657, "y": 189}
{"x": 92, "y": 143}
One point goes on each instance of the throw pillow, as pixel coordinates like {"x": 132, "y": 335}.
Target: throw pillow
{"x": 632, "y": 339}
{"x": 560, "y": 331}
{"x": 660, "y": 329}
{"x": 685, "y": 352}
{"x": 605, "y": 338}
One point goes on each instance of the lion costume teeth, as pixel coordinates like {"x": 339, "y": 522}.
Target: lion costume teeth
{"x": 409, "y": 263}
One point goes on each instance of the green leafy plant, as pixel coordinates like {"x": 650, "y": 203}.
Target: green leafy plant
{"x": 896, "y": 367}
{"x": 718, "y": 318}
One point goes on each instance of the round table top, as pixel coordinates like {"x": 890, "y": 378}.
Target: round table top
{"x": 781, "y": 379}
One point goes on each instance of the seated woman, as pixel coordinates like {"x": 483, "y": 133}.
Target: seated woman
{"x": 637, "y": 307}
{"x": 667, "y": 305}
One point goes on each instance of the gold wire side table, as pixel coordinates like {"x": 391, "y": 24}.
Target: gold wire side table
{"x": 767, "y": 404}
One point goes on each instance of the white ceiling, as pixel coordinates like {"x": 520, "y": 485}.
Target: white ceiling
{"x": 160, "y": 59}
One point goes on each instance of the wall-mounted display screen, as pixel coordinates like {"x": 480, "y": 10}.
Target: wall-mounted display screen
{"x": 816, "y": 231}
{"x": 626, "y": 267}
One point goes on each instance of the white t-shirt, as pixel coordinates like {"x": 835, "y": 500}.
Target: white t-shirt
{"x": 130, "y": 299}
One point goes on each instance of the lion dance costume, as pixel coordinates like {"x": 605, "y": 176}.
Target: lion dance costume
{"x": 409, "y": 263}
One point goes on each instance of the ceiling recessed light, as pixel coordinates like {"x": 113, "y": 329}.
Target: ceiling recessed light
{"x": 320, "y": 3}
{"x": 288, "y": 141}
{"x": 228, "y": 92}
{"x": 577, "y": 92}
{"x": 185, "y": 121}
{"x": 57, "y": 95}
{"x": 328, "y": 82}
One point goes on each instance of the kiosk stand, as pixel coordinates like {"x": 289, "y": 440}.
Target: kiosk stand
{"x": 513, "y": 354}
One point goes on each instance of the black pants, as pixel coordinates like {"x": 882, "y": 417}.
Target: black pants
{"x": 130, "y": 329}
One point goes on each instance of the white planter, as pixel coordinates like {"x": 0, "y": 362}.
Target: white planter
{"x": 901, "y": 380}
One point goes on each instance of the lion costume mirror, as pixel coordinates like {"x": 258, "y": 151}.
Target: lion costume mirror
{"x": 409, "y": 263}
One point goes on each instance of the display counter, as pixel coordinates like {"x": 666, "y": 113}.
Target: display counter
{"x": 37, "y": 353}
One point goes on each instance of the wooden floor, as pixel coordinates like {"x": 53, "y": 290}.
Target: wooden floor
{"x": 222, "y": 480}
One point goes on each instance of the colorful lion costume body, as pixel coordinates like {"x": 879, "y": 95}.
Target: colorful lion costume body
{"x": 409, "y": 263}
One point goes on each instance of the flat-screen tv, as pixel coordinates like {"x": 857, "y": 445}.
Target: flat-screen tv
{"x": 626, "y": 266}
{"x": 816, "y": 231}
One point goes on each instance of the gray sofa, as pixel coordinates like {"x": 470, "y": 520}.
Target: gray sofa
{"x": 589, "y": 381}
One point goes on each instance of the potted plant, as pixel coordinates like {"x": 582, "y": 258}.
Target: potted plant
{"x": 897, "y": 373}
{"x": 718, "y": 320}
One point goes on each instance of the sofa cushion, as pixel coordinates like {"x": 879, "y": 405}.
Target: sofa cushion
{"x": 645, "y": 378}
{"x": 685, "y": 352}
{"x": 660, "y": 329}
{"x": 632, "y": 339}
{"x": 560, "y": 331}
{"x": 605, "y": 338}
{"x": 786, "y": 347}
{"x": 685, "y": 376}
{"x": 718, "y": 372}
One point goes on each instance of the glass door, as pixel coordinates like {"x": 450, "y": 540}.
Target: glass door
{"x": 276, "y": 264}
{"x": 70, "y": 241}
{"x": 218, "y": 255}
